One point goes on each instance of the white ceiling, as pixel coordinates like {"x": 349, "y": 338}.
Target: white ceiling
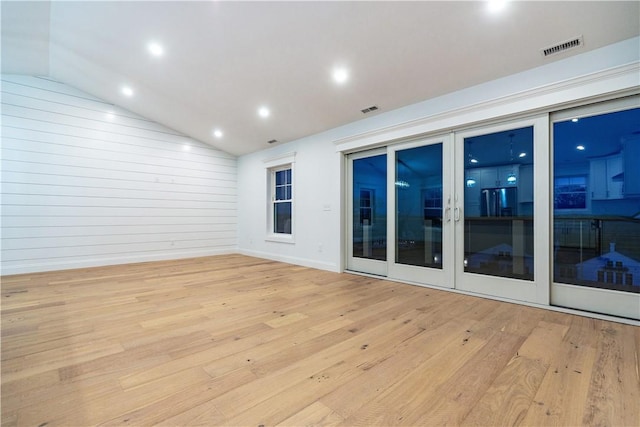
{"x": 223, "y": 60}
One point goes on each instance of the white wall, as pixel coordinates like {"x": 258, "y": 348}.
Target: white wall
{"x": 319, "y": 164}
{"x": 317, "y": 204}
{"x": 85, "y": 183}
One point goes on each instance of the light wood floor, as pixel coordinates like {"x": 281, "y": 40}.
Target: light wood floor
{"x": 234, "y": 340}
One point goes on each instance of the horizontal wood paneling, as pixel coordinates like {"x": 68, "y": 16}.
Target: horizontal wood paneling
{"x": 40, "y": 232}
{"x": 87, "y": 183}
{"x": 136, "y": 145}
{"x": 145, "y": 182}
{"x": 110, "y": 221}
{"x": 124, "y": 193}
{"x": 73, "y": 160}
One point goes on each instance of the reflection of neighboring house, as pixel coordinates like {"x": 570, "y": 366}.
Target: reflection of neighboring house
{"x": 500, "y": 255}
{"x": 612, "y": 267}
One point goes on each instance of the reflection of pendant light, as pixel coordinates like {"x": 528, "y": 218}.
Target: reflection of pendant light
{"x": 511, "y": 179}
{"x": 401, "y": 183}
{"x": 471, "y": 182}
{"x": 472, "y": 159}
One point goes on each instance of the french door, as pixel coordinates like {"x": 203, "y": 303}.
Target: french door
{"x": 455, "y": 211}
{"x": 501, "y": 221}
{"x": 596, "y": 208}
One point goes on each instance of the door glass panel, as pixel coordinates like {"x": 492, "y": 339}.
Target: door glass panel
{"x": 498, "y": 204}
{"x": 418, "y": 186}
{"x": 370, "y": 207}
{"x": 596, "y": 197}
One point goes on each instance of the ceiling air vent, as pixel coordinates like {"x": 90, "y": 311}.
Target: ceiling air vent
{"x": 369, "y": 109}
{"x": 272, "y": 141}
{"x": 564, "y": 46}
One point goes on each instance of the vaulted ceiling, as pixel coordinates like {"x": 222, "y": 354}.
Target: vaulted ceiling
{"x": 222, "y": 61}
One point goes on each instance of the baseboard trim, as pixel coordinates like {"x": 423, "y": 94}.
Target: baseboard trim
{"x": 305, "y": 262}
{"x": 41, "y": 267}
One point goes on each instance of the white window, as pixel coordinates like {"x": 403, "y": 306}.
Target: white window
{"x": 570, "y": 192}
{"x": 280, "y": 200}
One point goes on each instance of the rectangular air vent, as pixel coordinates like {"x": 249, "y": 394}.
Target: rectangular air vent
{"x": 562, "y": 47}
{"x": 369, "y": 109}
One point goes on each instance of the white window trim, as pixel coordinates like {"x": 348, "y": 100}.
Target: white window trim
{"x": 272, "y": 165}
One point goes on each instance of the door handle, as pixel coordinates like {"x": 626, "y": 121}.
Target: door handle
{"x": 456, "y": 214}
{"x": 447, "y": 214}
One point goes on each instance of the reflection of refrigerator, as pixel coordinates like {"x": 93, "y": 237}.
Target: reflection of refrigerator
{"x": 499, "y": 201}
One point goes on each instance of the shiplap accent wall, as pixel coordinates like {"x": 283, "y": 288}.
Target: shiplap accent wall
{"x": 85, "y": 183}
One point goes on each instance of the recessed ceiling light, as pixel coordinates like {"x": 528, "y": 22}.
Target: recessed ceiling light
{"x": 264, "y": 112}
{"x": 521, "y": 155}
{"x": 580, "y": 147}
{"x": 340, "y": 75}
{"x": 155, "y": 49}
{"x": 495, "y": 6}
{"x": 217, "y": 133}
{"x": 127, "y": 91}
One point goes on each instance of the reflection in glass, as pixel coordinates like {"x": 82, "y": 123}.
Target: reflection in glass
{"x": 370, "y": 207}
{"x": 498, "y": 204}
{"x": 596, "y": 215}
{"x": 418, "y": 185}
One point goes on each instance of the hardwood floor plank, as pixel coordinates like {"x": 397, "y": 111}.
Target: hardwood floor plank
{"x": 236, "y": 340}
{"x": 349, "y": 398}
{"x": 614, "y": 374}
{"x": 510, "y": 396}
{"x": 402, "y": 403}
{"x": 455, "y": 397}
{"x": 315, "y": 414}
{"x": 353, "y": 358}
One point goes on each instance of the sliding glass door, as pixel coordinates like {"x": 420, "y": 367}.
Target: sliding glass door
{"x": 422, "y": 244}
{"x": 367, "y": 207}
{"x": 596, "y": 208}
{"x": 499, "y": 217}
{"x": 544, "y": 210}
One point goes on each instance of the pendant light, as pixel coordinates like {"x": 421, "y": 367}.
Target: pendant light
{"x": 511, "y": 179}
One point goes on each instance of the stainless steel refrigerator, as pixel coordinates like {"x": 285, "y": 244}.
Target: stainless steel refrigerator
{"x": 498, "y": 202}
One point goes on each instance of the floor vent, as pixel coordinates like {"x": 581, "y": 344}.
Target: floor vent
{"x": 564, "y": 46}
{"x": 369, "y": 109}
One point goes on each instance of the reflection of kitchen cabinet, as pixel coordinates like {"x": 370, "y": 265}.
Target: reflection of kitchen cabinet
{"x": 632, "y": 166}
{"x": 525, "y": 184}
{"x": 499, "y": 176}
{"x": 606, "y": 177}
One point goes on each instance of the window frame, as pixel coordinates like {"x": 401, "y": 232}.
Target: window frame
{"x": 370, "y": 208}
{"x": 274, "y": 165}
{"x": 587, "y": 205}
